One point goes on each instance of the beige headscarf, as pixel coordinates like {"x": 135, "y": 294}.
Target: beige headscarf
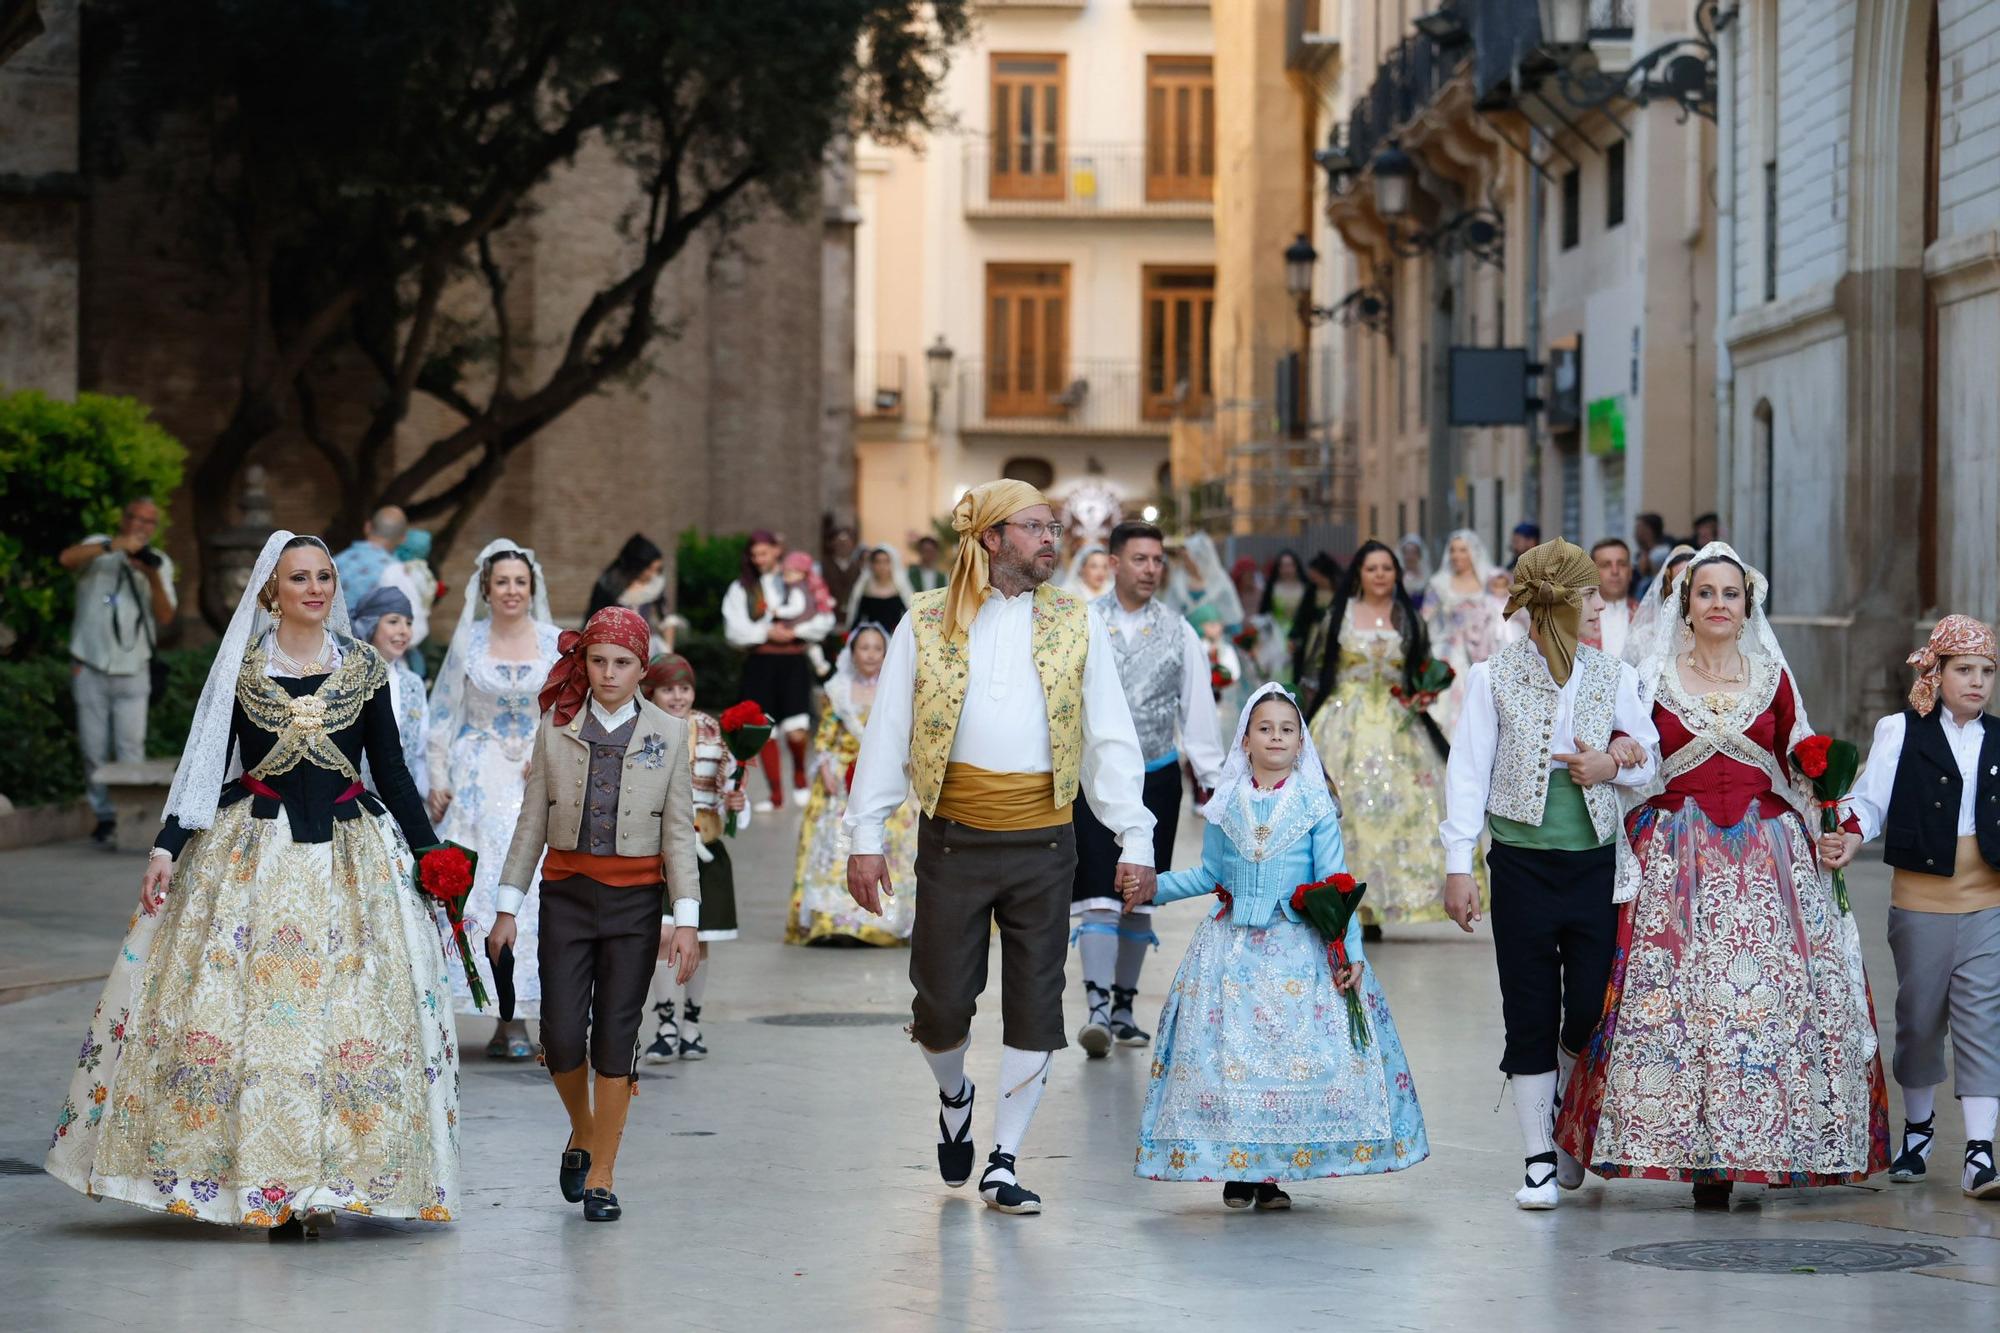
{"x": 981, "y": 508}
{"x": 1551, "y": 581}
{"x": 1955, "y": 636}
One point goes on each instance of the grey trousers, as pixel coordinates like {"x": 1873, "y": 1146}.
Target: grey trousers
{"x": 110, "y": 724}
{"x": 1947, "y": 977}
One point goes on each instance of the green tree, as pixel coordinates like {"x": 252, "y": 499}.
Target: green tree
{"x": 365, "y": 157}
{"x": 704, "y": 567}
{"x": 66, "y": 470}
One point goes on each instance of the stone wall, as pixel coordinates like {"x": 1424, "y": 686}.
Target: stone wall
{"x": 39, "y": 209}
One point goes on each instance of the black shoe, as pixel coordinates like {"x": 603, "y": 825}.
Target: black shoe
{"x": 1123, "y": 1030}
{"x": 1238, "y": 1194}
{"x": 1980, "y": 1180}
{"x": 1911, "y": 1163}
{"x": 955, "y": 1151}
{"x": 575, "y": 1166}
{"x": 1095, "y": 1034}
{"x": 1712, "y": 1193}
{"x": 1271, "y": 1199}
{"x": 692, "y": 1047}
{"x": 601, "y": 1206}
{"x": 1006, "y": 1196}
{"x": 666, "y": 1043}
{"x": 105, "y": 831}
{"x": 1371, "y": 932}
{"x": 292, "y": 1228}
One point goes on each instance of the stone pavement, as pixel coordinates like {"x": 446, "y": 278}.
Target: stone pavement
{"x": 788, "y": 1182}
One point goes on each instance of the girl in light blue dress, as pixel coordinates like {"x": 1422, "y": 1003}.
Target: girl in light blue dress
{"x": 1254, "y": 1078}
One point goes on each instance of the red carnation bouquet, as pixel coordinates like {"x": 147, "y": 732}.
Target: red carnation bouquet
{"x": 1328, "y": 905}
{"x": 1831, "y": 766}
{"x": 1245, "y": 638}
{"x": 1433, "y": 678}
{"x": 745, "y": 729}
{"x": 444, "y": 873}
{"x": 1220, "y": 677}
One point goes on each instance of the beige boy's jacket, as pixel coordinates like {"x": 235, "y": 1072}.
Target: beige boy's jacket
{"x": 655, "y": 799}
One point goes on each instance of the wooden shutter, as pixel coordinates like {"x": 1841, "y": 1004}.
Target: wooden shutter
{"x": 1179, "y": 308}
{"x": 1027, "y": 338}
{"x": 1180, "y": 128}
{"x": 1027, "y": 144}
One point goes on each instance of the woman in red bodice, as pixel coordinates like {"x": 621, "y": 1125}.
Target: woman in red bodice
{"x": 1738, "y": 1038}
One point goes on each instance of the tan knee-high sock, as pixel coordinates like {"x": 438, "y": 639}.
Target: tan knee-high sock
{"x": 574, "y": 1089}
{"x": 614, "y": 1103}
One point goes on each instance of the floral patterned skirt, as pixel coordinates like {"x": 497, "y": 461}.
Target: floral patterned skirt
{"x": 821, "y": 908}
{"x": 1254, "y": 1078}
{"x": 1391, "y": 785}
{"x": 277, "y": 1037}
{"x": 1733, "y": 1044}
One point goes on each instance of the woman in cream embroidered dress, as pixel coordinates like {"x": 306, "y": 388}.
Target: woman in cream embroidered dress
{"x": 1738, "y": 1038}
{"x": 275, "y": 1039}
{"x": 1385, "y": 761}
{"x": 483, "y": 719}
{"x": 1464, "y": 624}
{"x": 822, "y": 910}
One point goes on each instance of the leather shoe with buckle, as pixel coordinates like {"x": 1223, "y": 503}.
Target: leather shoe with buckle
{"x": 601, "y": 1206}
{"x": 575, "y": 1167}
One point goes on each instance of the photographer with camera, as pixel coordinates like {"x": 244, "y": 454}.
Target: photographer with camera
{"x": 124, "y": 594}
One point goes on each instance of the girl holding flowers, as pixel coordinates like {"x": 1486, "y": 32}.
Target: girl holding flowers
{"x": 1260, "y": 1076}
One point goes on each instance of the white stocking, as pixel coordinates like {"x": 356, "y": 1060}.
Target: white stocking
{"x": 948, "y": 1068}
{"x": 1919, "y": 1104}
{"x": 1981, "y": 1113}
{"x": 1023, "y": 1075}
{"x": 1534, "y": 1103}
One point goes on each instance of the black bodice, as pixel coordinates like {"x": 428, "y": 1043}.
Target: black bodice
{"x": 310, "y": 794}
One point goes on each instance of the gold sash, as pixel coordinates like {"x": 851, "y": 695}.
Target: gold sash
{"x": 999, "y": 802}
{"x": 1973, "y": 887}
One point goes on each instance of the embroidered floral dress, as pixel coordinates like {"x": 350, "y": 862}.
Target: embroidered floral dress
{"x": 821, "y": 908}
{"x": 1390, "y": 780}
{"x": 482, "y": 732}
{"x": 278, "y": 1036}
{"x": 1465, "y": 630}
{"x": 1254, "y": 1077}
{"x": 1735, "y": 1044}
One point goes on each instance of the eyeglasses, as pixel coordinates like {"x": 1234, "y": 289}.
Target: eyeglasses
{"x": 1038, "y": 530}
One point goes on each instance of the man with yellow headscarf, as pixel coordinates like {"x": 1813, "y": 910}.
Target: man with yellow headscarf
{"x": 1548, "y": 726}
{"x": 998, "y": 702}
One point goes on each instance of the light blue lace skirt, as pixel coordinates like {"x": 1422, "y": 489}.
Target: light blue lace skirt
{"x": 1254, "y": 1078}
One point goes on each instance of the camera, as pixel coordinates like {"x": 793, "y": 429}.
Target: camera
{"x": 147, "y": 556}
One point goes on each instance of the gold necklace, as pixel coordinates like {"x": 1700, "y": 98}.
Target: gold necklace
{"x": 292, "y": 666}
{"x": 1712, "y": 677}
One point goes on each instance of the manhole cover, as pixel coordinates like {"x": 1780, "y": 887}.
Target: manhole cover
{"x": 14, "y": 1166}
{"x": 846, "y": 1020}
{"x": 1782, "y": 1256}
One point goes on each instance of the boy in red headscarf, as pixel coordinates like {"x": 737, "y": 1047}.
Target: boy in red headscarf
{"x": 610, "y": 796}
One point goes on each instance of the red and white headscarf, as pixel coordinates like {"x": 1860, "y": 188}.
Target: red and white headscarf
{"x": 568, "y": 684}
{"x": 1955, "y": 636}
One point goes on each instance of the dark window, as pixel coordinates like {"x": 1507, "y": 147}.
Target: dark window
{"x": 1572, "y": 209}
{"x": 1037, "y": 472}
{"x": 1771, "y": 231}
{"x": 1614, "y": 185}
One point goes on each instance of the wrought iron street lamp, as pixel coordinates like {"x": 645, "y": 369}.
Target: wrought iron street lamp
{"x": 937, "y": 371}
{"x": 1479, "y": 232}
{"x": 1367, "y": 306}
{"x": 1681, "y": 70}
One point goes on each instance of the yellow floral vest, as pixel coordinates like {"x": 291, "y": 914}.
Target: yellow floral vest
{"x": 1061, "y": 642}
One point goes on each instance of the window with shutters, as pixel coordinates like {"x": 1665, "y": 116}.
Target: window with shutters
{"x": 1027, "y": 149}
{"x": 1178, "y": 311}
{"x": 1027, "y": 338}
{"x": 1180, "y": 128}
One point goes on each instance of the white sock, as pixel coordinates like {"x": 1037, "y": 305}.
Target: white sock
{"x": 1981, "y": 1115}
{"x": 1023, "y": 1075}
{"x": 1534, "y": 1103}
{"x": 948, "y": 1068}
{"x": 1919, "y": 1104}
{"x": 664, "y": 985}
{"x": 697, "y": 985}
{"x": 1097, "y": 947}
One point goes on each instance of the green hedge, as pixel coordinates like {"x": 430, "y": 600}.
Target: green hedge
{"x": 41, "y": 763}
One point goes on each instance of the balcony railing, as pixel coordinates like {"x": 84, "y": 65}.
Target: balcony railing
{"x": 1011, "y": 178}
{"x": 1095, "y": 398}
{"x": 880, "y": 389}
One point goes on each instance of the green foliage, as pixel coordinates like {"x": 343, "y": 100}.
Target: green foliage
{"x": 717, "y": 670}
{"x": 41, "y": 762}
{"x": 66, "y": 470}
{"x": 704, "y": 567}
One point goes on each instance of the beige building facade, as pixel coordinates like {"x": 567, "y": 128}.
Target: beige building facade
{"x": 1043, "y": 275}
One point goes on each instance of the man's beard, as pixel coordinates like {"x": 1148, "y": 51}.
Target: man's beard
{"x": 1026, "y": 568}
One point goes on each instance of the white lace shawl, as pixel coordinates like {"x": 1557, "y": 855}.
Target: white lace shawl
{"x": 1302, "y": 803}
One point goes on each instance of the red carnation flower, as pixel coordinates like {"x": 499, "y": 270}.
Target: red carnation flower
{"x": 445, "y": 873}
{"x": 1811, "y": 755}
{"x": 1342, "y": 883}
{"x": 746, "y": 714}
{"x": 1299, "y": 897}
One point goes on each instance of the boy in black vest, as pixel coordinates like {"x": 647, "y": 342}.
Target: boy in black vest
{"x": 1932, "y": 790}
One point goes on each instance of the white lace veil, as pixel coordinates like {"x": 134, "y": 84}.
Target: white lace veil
{"x": 1308, "y": 798}
{"x": 1651, "y": 612}
{"x": 1482, "y": 562}
{"x": 1218, "y": 590}
{"x": 205, "y": 758}
{"x": 840, "y": 685}
{"x": 448, "y": 693}
{"x": 1073, "y": 579}
{"x": 899, "y": 575}
{"x": 1416, "y": 573}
